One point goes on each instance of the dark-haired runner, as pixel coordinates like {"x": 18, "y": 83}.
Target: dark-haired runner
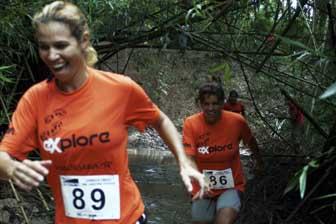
{"x": 211, "y": 138}
{"x": 233, "y": 104}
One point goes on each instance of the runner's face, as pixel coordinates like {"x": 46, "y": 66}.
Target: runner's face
{"x": 232, "y": 99}
{"x": 211, "y": 108}
{"x": 61, "y": 51}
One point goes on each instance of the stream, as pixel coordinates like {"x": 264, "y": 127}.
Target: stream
{"x": 165, "y": 198}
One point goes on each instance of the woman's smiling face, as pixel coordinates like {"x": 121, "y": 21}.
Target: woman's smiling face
{"x": 61, "y": 51}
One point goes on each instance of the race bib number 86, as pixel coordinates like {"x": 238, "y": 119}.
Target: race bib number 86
{"x": 91, "y": 197}
{"x": 219, "y": 179}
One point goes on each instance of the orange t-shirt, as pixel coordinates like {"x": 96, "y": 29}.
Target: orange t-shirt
{"x": 84, "y": 133}
{"x": 237, "y": 107}
{"x": 216, "y": 147}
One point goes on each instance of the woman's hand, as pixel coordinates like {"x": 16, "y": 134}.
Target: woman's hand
{"x": 28, "y": 174}
{"x": 189, "y": 173}
{"x": 208, "y": 193}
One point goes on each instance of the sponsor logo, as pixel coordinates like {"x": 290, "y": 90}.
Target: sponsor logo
{"x": 219, "y": 148}
{"x": 85, "y": 166}
{"x": 59, "y": 145}
{"x": 56, "y": 114}
{"x": 70, "y": 182}
{"x": 54, "y": 129}
{"x": 203, "y": 150}
{"x": 53, "y": 124}
{"x": 216, "y": 148}
{"x": 51, "y": 145}
{"x": 203, "y": 139}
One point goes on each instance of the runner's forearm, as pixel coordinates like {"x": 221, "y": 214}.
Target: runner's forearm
{"x": 170, "y": 136}
{"x": 192, "y": 161}
{"x": 255, "y": 149}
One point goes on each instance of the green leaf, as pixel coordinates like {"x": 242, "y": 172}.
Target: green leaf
{"x": 225, "y": 68}
{"x": 6, "y": 68}
{"x": 321, "y": 208}
{"x": 292, "y": 184}
{"x": 227, "y": 73}
{"x": 325, "y": 196}
{"x": 189, "y": 15}
{"x": 329, "y": 92}
{"x": 313, "y": 164}
{"x": 300, "y": 178}
{"x": 5, "y": 79}
{"x": 293, "y": 42}
{"x": 303, "y": 181}
{"x": 217, "y": 68}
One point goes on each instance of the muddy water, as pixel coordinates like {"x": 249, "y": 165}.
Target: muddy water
{"x": 156, "y": 174}
{"x": 165, "y": 198}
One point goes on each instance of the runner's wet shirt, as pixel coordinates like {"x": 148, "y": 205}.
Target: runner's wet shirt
{"x": 85, "y": 134}
{"x": 216, "y": 149}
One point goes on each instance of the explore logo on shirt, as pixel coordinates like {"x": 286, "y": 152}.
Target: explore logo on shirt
{"x": 59, "y": 145}
{"x": 203, "y": 149}
{"x": 216, "y": 148}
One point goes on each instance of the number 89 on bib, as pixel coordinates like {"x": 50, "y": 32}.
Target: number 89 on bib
{"x": 95, "y": 197}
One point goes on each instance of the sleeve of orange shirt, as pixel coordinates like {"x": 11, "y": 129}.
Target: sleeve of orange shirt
{"x": 188, "y": 140}
{"x": 21, "y": 136}
{"x": 226, "y": 106}
{"x": 140, "y": 110}
{"x": 242, "y": 109}
{"x": 246, "y": 133}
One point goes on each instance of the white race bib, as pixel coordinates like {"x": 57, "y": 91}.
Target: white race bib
{"x": 219, "y": 179}
{"x": 91, "y": 197}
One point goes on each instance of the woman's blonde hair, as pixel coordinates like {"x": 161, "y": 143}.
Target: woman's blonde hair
{"x": 71, "y": 15}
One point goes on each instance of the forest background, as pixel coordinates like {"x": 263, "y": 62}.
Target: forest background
{"x": 271, "y": 51}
